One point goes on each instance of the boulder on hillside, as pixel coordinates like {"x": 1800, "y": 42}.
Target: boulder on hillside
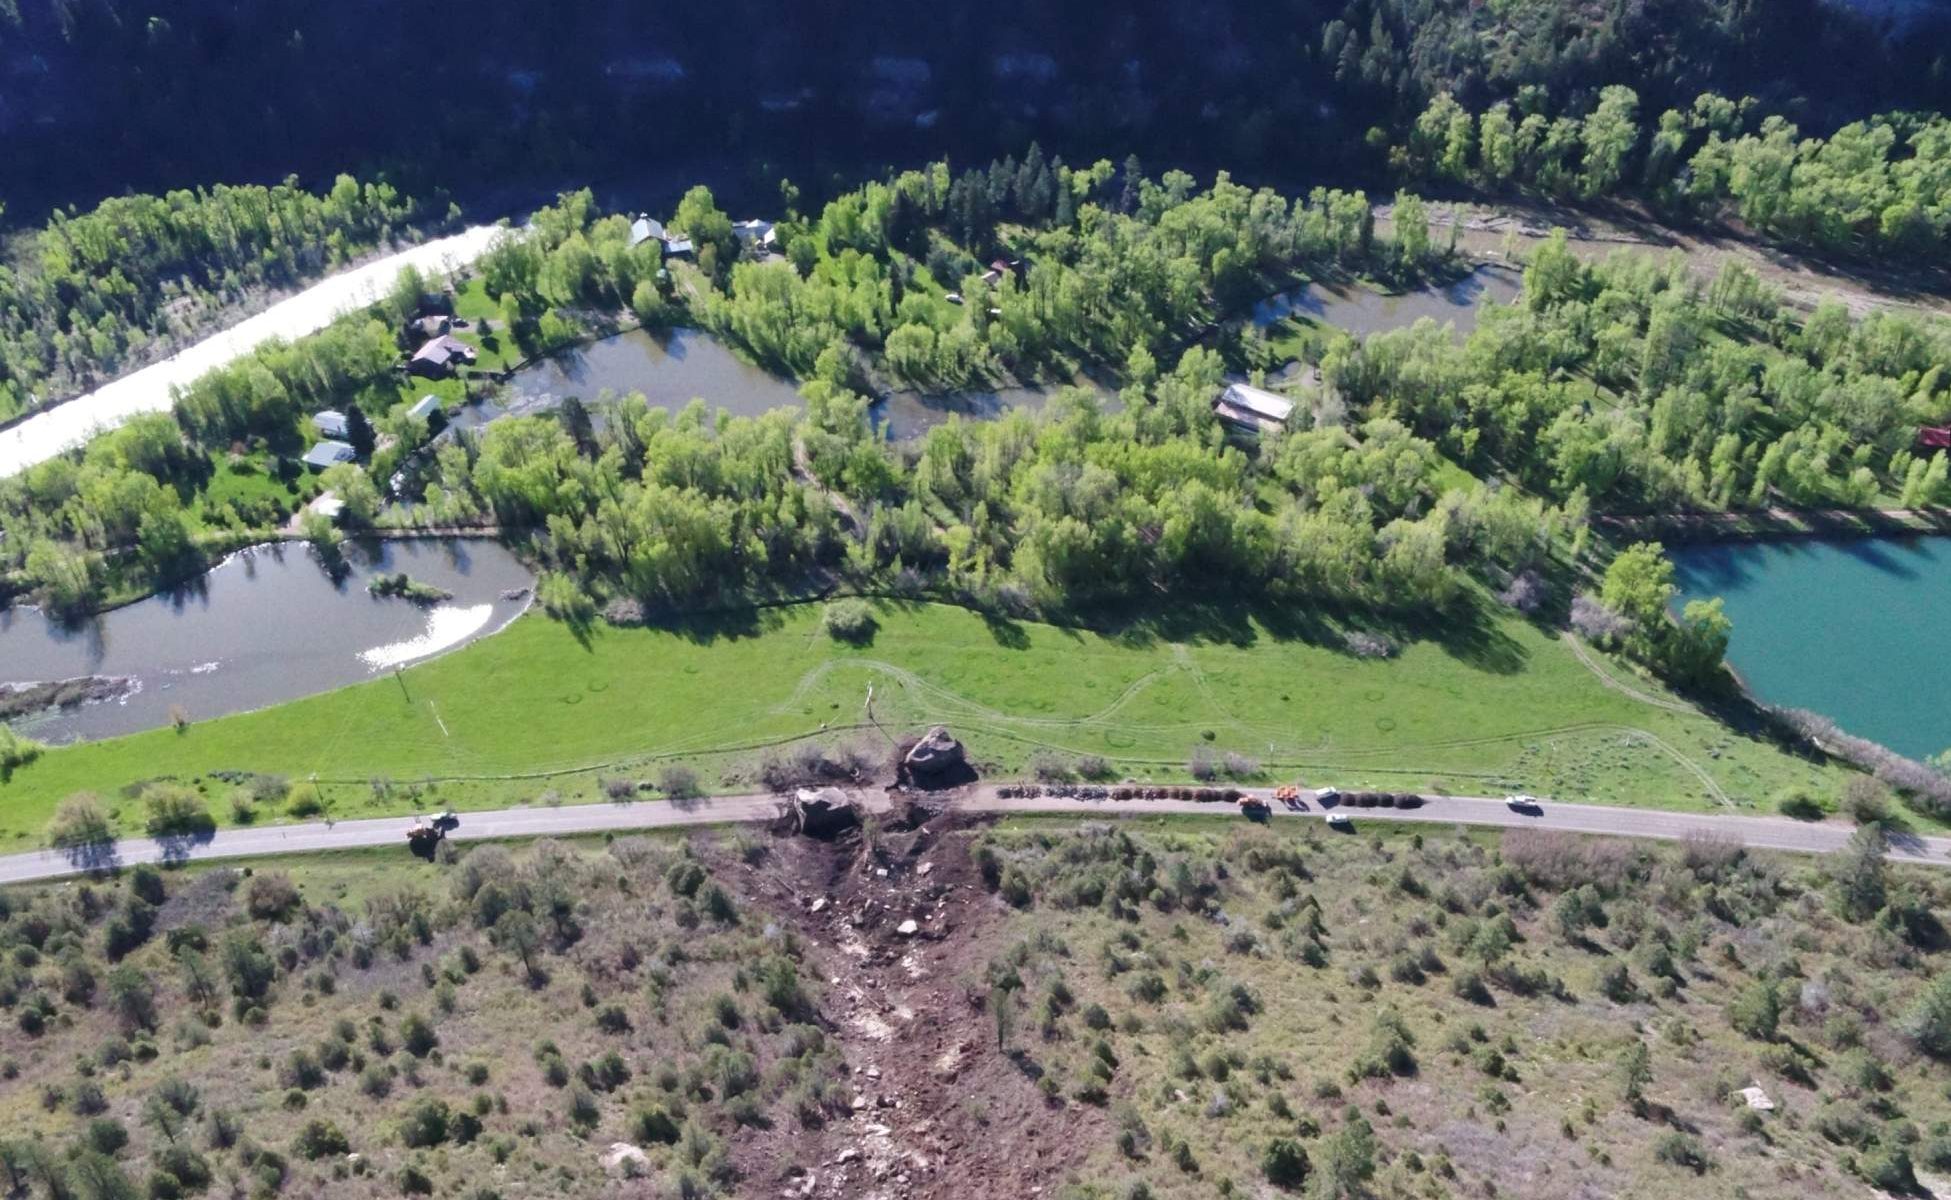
{"x": 936, "y": 755}
{"x": 824, "y": 812}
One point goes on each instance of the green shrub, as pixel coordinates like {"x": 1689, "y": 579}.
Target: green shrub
{"x": 79, "y": 821}
{"x": 849, "y": 621}
{"x": 176, "y": 811}
{"x": 1681, "y": 1150}
{"x": 1889, "y": 1168}
{"x": 305, "y": 800}
{"x": 1284, "y": 1163}
{"x": 425, "y": 1123}
{"x": 319, "y": 1139}
{"x": 1799, "y": 804}
{"x": 417, "y": 1035}
{"x": 654, "y": 1124}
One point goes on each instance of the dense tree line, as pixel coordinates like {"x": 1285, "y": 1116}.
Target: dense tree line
{"x": 1100, "y": 264}
{"x": 1820, "y": 58}
{"x": 1625, "y": 386}
{"x": 1632, "y": 386}
{"x": 1875, "y": 186}
{"x": 171, "y": 91}
{"x": 571, "y": 256}
{"x": 95, "y": 293}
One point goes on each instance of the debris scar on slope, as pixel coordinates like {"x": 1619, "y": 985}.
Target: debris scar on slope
{"x": 898, "y": 924}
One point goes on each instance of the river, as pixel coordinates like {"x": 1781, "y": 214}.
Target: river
{"x": 1857, "y": 630}
{"x": 675, "y": 366}
{"x": 1363, "y": 310}
{"x": 47, "y": 434}
{"x": 266, "y": 626}
{"x": 671, "y": 368}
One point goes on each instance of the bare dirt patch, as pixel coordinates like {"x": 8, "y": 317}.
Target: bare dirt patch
{"x": 898, "y": 923}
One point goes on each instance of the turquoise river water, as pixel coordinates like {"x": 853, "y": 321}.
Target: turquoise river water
{"x": 1858, "y": 630}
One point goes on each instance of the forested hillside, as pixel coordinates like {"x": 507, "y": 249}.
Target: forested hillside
{"x": 1881, "y": 186}
{"x": 108, "y": 95}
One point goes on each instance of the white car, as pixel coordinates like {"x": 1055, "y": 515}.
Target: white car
{"x": 1528, "y": 805}
{"x": 1339, "y": 820}
{"x": 1327, "y": 795}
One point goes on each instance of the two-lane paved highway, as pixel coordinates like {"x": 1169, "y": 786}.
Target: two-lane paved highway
{"x": 1762, "y": 833}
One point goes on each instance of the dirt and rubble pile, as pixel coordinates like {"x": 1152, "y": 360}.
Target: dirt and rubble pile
{"x": 896, "y": 919}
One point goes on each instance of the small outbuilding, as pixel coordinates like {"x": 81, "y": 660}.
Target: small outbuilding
{"x": 1001, "y": 267}
{"x": 756, "y": 234}
{"x": 440, "y": 357}
{"x": 425, "y": 407}
{"x": 328, "y": 453}
{"x": 330, "y": 424}
{"x": 1253, "y": 410}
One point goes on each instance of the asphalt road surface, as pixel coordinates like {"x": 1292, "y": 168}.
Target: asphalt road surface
{"x": 1763, "y": 833}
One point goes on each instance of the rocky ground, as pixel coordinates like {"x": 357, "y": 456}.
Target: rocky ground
{"x": 897, "y": 918}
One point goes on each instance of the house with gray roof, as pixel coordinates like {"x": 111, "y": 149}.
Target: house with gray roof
{"x": 328, "y": 453}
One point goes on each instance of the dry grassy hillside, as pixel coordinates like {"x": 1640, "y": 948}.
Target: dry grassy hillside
{"x": 933, "y": 1007}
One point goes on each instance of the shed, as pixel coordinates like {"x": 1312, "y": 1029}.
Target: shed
{"x": 328, "y": 453}
{"x": 675, "y": 244}
{"x": 425, "y": 407}
{"x": 1251, "y": 409}
{"x": 330, "y": 423}
{"x": 440, "y": 356}
{"x": 756, "y": 233}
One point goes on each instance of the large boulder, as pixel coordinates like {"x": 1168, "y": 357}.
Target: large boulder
{"x": 824, "y": 812}
{"x": 935, "y": 755}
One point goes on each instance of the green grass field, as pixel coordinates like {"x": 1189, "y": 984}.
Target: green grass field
{"x": 540, "y": 713}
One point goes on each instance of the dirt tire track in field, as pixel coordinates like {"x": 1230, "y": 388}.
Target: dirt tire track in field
{"x": 1625, "y": 689}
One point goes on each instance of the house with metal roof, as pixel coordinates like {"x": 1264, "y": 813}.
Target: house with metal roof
{"x": 328, "y": 453}
{"x": 440, "y": 356}
{"x": 330, "y": 424}
{"x": 644, "y": 228}
{"x": 756, "y": 234}
{"x": 1253, "y": 410}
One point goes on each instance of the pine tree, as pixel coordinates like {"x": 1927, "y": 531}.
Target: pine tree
{"x": 1134, "y": 174}
{"x": 359, "y": 431}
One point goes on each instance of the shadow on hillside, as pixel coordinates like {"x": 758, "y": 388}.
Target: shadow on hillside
{"x": 1468, "y": 630}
